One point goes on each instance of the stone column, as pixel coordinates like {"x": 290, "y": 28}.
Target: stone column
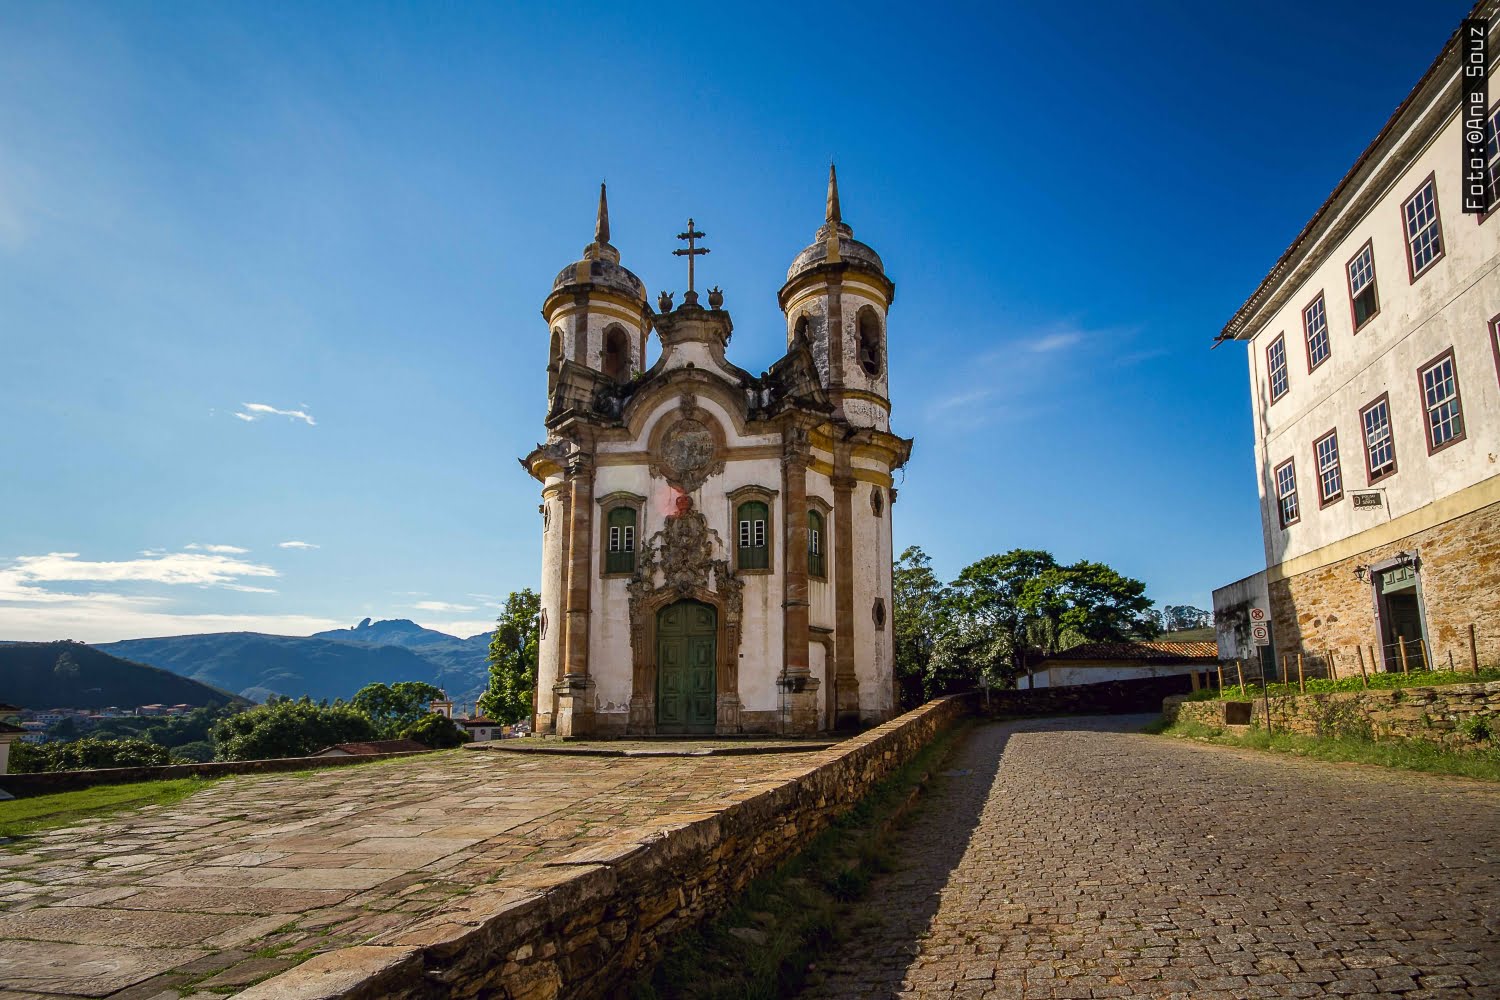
{"x": 846, "y": 683}
{"x": 575, "y": 688}
{"x": 801, "y": 685}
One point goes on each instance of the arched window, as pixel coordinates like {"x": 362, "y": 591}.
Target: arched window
{"x": 802, "y": 329}
{"x": 615, "y": 362}
{"x": 817, "y": 564}
{"x": 869, "y": 342}
{"x": 619, "y": 541}
{"x": 754, "y": 532}
{"x": 877, "y": 501}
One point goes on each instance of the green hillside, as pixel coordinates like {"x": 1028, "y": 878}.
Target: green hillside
{"x": 256, "y": 665}
{"x": 41, "y": 675}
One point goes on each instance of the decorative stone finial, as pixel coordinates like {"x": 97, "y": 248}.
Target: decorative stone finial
{"x": 601, "y": 223}
{"x": 715, "y": 297}
{"x": 832, "y": 214}
{"x": 664, "y": 302}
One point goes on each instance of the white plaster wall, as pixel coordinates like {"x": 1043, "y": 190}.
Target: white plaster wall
{"x": 1450, "y": 305}
{"x": 761, "y": 624}
{"x": 549, "y": 647}
{"x": 1251, "y": 590}
{"x": 872, "y": 578}
{"x": 817, "y": 659}
{"x": 821, "y": 593}
{"x": 1069, "y": 676}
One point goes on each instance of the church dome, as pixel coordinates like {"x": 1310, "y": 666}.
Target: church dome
{"x": 603, "y": 272}
{"x": 600, "y": 265}
{"x": 851, "y": 251}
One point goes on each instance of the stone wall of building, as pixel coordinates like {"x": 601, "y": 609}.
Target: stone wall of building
{"x": 1331, "y": 608}
{"x": 581, "y": 926}
{"x": 24, "y": 785}
{"x": 1434, "y": 714}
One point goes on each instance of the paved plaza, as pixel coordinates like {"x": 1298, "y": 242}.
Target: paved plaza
{"x": 253, "y": 874}
{"x": 1076, "y": 858}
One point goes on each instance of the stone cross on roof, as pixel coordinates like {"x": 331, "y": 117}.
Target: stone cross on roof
{"x": 692, "y": 251}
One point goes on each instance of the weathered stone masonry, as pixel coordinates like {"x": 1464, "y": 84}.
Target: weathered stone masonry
{"x": 1434, "y": 714}
{"x": 1332, "y": 608}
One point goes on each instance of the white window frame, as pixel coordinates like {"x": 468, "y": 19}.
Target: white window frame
{"x": 1316, "y": 311}
{"x": 1278, "y": 366}
{"x": 1330, "y": 469}
{"x": 1287, "y": 507}
{"x": 1441, "y": 411}
{"x": 1423, "y": 227}
{"x": 1384, "y": 441}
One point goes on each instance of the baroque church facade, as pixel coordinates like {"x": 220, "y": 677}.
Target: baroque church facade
{"x": 716, "y": 553}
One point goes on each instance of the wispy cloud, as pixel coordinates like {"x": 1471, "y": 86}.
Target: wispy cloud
{"x": 230, "y": 550}
{"x": 254, "y": 411}
{"x": 444, "y": 606}
{"x": 247, "y": 589}
{"x": 295, "y": 545}
{"x": 20, "y": 580}
{"x": 1052, "y": 342}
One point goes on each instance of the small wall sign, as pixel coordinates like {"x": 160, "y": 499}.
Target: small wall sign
{"x": 1363, "y": 501}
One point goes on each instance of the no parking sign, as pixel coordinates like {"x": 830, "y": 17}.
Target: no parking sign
{"x": 1260, "y": 626}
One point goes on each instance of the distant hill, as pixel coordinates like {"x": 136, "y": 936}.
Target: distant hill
{"x": 1204, "y": 634}
{"x": 41, "y": 675}
{"x": 333, "y": 664}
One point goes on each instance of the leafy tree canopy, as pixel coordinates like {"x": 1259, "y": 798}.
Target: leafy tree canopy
{"x": 287, "y": 728}
{"x": 393, "y": 707}
{"x": 513, "y": 659}
{"x": 1001, "y": 612}
{"x": 436, "y": 731}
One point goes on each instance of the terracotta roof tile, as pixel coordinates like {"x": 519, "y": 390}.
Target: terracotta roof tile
{"x": 1140, "y": 652}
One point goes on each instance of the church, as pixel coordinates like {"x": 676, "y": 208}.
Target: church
{"x": 716, "y": 545}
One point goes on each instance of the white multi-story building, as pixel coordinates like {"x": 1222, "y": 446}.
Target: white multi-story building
{"x": 1374, "y": 350}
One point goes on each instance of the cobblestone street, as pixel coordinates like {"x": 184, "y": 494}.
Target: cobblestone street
{"x": 1078, "y": 858}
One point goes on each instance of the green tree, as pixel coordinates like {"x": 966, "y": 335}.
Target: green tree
{"x": 918, "y": 616}
{"x": 436, "y": 731}
{"x": 513, "y": 659}
{"x": 1007, "y": 609}
{"x": 286, "y": 728}
{"x": 393, "y": 707}
{"x": 86, "y": 754}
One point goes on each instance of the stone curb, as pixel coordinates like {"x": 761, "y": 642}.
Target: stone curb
{"x": 664, "y": 751}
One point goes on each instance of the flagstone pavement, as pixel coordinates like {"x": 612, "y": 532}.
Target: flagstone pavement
{"x": 1080, "y": 858}
{"x": 254, "y": 874}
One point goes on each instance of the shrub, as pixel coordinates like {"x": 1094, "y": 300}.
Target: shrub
{"x": 86, "y": 755}
{"x": 435, "y": 731}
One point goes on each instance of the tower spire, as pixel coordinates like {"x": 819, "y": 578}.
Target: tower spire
{"x": 601, "y": 223}
{"x": 833, "y": 215}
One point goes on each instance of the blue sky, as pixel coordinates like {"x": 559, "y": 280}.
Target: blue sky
{"x": 350, "y": 213}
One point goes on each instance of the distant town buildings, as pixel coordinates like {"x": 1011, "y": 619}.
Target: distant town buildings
{"x": 1374, "y": 360}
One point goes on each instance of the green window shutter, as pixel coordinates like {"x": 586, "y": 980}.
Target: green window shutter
{"x": 619, "y": 540}
{"x": 753, "y": 531}
{"x": 816, "y": 560}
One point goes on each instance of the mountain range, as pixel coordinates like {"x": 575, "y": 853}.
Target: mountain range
{"x": 332, "y": 664}
{"x": 42, "y": 675}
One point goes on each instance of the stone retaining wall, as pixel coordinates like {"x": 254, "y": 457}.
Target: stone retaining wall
{"x": 579, "y": 927}
{"x": 1434, "y": 714}
{"x": 1140, "y": 694}
{"x": 46, "y": 782}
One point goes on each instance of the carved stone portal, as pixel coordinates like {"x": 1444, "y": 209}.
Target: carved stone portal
{"x": 676, "y": 563}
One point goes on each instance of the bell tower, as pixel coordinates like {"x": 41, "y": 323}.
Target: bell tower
{"x": 836, "y": 296}
{"x": 596, "y": 314}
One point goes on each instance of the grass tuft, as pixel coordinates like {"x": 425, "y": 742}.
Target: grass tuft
{"x": 805, "y": 908}
{"x": 23, "y": 817}
{"x": 1483, "y": 762}
{"x": 1377, "y": 682}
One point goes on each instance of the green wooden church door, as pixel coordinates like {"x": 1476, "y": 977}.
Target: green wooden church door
{"x": 686, "y": 633}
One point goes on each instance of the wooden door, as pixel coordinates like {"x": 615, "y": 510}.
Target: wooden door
{"x": 686, "y": 634}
